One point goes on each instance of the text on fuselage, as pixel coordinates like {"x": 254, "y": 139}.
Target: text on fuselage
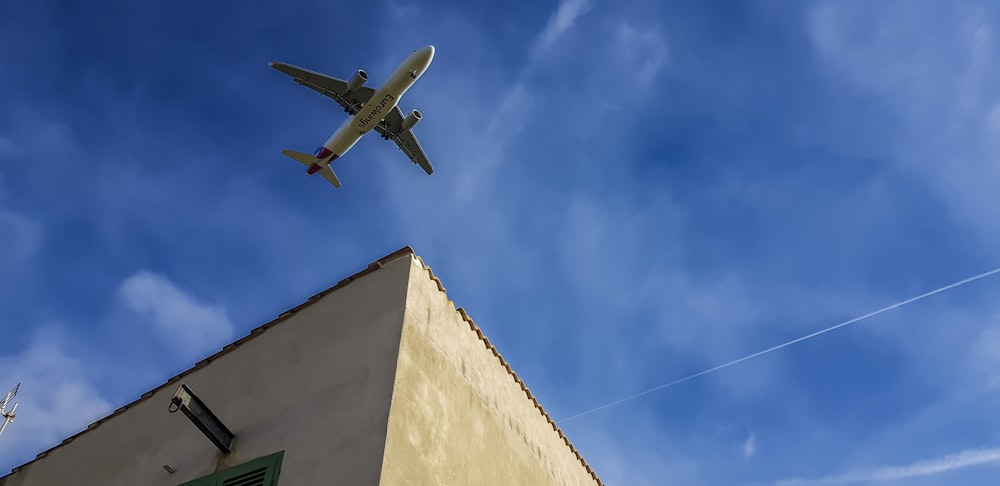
{"x": 384, "y": 102}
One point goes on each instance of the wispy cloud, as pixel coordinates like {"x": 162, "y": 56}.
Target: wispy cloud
{"x": 187, "y": 326}
{"x": 936, "y": 69}
{"x": 643, "y": 47}
{"x": 496, "y": 126}
{"x": 984, "y": 355}
{"x": 519, "y": 96}
{"x": 930, "y": 467}
{"x": 59, "y": 381}
{"x": 56, "y": 398}
{"x": 561, "y": 21}
{"x": 608, "y": 237}
{"x": 749, "y": 446}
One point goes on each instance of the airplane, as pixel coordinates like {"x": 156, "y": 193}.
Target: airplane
{"x": 369, "y": 109}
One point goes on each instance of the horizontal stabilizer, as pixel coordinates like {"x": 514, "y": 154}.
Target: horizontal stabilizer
{"x": 328, "y": 174}
{"x": 304, "y": 159}
{"x": 308, "y": 161}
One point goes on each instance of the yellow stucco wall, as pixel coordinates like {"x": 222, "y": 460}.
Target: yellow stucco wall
{"x": 458, "y": 415}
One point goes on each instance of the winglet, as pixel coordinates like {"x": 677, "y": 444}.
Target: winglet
{"x": 426, "y": 165}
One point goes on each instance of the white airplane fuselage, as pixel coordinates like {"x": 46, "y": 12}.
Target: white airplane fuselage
{"x": 382, "y": 101}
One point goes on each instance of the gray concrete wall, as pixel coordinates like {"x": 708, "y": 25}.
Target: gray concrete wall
{"x": 458, "y": 416}
{"x": 317, "y": 385}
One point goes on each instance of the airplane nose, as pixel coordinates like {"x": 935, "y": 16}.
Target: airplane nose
{"x": 428, "y": 52}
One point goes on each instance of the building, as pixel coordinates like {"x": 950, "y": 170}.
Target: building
{"x": 378, "y": 380}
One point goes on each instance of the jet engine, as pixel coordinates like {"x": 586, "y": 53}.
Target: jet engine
{"x": 357, "y": 81}
{"x": 410, "y": 121}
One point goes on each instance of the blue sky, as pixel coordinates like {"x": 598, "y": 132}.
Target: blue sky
{"x": 625, "y": 193}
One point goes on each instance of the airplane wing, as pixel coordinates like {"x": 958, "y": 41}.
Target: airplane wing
{"x": 328, "y": 86}
{"x": 407, "y": 142}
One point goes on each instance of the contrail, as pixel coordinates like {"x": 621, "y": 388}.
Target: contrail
{"x": 948, "y": 463}
{"x": 786, "y": 344}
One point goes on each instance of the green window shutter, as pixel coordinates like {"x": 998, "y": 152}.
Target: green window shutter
{"x": 205, "y": 481}
{"x": 262, "y": 471}
{"x": 258, "y": 472}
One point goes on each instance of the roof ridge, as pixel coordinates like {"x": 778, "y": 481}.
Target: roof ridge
{"x": 489, "y": 346}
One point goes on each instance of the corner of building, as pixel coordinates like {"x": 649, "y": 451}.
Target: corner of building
{"x": 459, "y": 413}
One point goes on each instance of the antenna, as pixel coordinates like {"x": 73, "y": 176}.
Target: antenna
{"x": 5, "y": 416}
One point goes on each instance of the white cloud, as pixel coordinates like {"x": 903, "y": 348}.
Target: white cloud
{"x": 56, "y": 398}
{"x": 487, "y": 128}
{"x": 610, "y": 249}
{"x": 749, "y": 446}
{"x": 636, "y": 455}
{"x": 187, "y": 326}
{"x": 984, "y": 355}
{"x": 561, "y": 21}
{"x": 502, "y": 125}
{"x": 950, "y": 462}
{"x": 644, "y": 49}
{"x": 936, "y": 71}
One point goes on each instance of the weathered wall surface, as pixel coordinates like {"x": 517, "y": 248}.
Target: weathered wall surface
{"x": 458, "y": 416}
{"x": 317, "y": 385}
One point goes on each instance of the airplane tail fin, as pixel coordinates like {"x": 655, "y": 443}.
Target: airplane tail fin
{"x": 308, "y": 160}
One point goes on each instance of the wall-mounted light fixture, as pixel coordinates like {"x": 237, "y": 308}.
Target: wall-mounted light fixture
{"x": 186, "y": 401}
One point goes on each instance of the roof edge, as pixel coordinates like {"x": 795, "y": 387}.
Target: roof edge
{"x": 510, "y": 371}
{"x": 377, "y": 264}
